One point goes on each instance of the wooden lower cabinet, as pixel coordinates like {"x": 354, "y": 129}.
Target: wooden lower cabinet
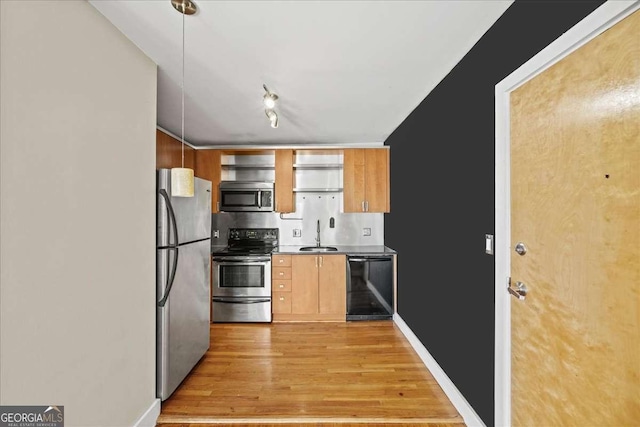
{"x": 316, "y": 290}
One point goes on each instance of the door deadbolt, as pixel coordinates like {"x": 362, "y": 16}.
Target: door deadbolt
{"x": 521, "y": 249}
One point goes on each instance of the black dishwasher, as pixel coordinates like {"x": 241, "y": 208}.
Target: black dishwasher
{"x": 369, "y": 287}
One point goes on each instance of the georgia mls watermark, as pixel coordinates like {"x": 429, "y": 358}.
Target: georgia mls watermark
{"x": 31, "y": 416}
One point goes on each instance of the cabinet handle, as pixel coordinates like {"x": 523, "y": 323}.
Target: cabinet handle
{"x": 366, "y": 203}
{"x": 321, "y": 261}
{"x": 316, "y": 262}
{"x": 281, "y": 286}
{"x": 281, "y": 261}
{"x": 363, "y": 206}
{"x": 281, "y": 298}
{"x": 281, "y": 273}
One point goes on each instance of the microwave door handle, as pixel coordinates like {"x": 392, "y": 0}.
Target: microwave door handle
{"x": 259, "y": 199}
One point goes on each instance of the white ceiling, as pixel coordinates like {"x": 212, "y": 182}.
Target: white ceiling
{"x": 346, "y": 72}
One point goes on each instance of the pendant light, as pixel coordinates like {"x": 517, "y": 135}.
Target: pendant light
{"x": 182, "y": 179}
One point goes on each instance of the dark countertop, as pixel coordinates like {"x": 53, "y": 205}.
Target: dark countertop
{"x": 342, "y": 249}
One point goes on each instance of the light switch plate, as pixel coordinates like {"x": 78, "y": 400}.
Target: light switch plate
{"x": 488, "y": 244}
{"x": 366, "y": 231}
{"x": 297, "y": 232}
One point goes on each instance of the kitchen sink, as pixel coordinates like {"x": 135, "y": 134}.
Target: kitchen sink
{"x": 318, "y": 248}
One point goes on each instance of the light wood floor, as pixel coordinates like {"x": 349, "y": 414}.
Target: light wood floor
{"x": 320, "y": 374}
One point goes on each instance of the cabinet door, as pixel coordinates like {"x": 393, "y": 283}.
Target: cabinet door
{"x": 376, "y": 161}
{"x": 353, "y": 180}
{"x": 208, "y": 167}
{"x": 304, "y": 284}
{"x": 284, "y": 181}
{"x": 332, "y": 285}
{"x": 169, "y": 152}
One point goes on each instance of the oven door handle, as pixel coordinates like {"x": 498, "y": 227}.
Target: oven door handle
{"x": 242, "y": 261}
{"x": 242, "y": 301}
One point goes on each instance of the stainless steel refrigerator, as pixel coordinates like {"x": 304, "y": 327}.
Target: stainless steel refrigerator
{"x": 183, "y": 263}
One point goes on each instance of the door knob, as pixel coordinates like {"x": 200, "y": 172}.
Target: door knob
{"x": 521, "y": 249}
{"x": 519, "y": 292}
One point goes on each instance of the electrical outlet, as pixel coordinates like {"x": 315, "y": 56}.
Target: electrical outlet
{"x": 366, "y": 231}
{"x": 297, "y": 232}
{"x": 216, "y": 234}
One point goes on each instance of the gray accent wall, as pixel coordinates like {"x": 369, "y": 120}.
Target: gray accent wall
{"x": 446, "y": 287}
{"x": 77, "y": 214}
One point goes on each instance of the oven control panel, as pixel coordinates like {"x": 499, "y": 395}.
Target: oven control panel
{"x": 253, "y": 234}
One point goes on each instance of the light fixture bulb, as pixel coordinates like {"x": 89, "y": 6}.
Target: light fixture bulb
{"x": 269, "y": 102}
{"x": 273, "y": 118}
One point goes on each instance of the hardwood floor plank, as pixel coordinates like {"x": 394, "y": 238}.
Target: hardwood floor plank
{"x": 320, "y": 374}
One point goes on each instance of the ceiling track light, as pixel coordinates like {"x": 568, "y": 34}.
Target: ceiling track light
{"x": 269, "y": 99}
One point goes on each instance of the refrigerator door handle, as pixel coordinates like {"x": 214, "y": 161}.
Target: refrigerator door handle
{"x": 171, "y": 277}
{"x": 172, "y": 217}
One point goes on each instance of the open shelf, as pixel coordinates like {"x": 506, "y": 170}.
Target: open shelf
{"x": 317, "y": 166}
{"x": 317, "y": 190}
{"x": 248, "y": 166}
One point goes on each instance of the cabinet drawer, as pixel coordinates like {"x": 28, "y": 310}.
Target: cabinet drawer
{"x": 281, "y": 273}
{"x": 281, "y": 302}
{"x": 281, "y": 260}
{"x": 281, "y": 285}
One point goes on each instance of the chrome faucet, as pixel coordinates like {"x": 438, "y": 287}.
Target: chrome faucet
{"x": 318, "y": 237}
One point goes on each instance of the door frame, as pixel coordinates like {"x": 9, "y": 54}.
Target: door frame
{"x": 604, "y": 17}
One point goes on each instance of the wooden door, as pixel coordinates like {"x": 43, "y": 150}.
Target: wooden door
{"x": 377, "y": 179}
{"x": 284, "y": 181}
{"x": 575, "y": 204}
{"x": 304, "y": 284}
{"x": 208, "y": 167}
{"x": 353, "y": 180}
{"x": 332, "y": 285}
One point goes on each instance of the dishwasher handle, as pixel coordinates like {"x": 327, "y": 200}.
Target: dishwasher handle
{"x": 369, "y": 259}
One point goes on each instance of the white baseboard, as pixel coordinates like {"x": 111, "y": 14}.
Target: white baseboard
{"x": 470, "y": 416}
{"x": 150, "y": 416}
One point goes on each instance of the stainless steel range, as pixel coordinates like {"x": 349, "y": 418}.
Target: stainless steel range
{"x": 242, "y": 276}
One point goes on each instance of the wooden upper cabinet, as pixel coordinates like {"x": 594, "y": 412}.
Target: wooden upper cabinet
{"x": 366, "y": 180}
{"x": 208, "y": 167}
{"x": 284, "y": 181}
{"x": 169, "y": 152}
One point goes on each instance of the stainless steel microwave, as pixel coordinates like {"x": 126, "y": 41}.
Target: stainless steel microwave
{"x": 246, "y": 196}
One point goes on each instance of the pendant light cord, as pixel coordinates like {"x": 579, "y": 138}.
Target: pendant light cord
{"x": 183, "y": 13}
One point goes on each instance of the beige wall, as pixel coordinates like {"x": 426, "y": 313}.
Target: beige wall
{"x": 77, "y": 260}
